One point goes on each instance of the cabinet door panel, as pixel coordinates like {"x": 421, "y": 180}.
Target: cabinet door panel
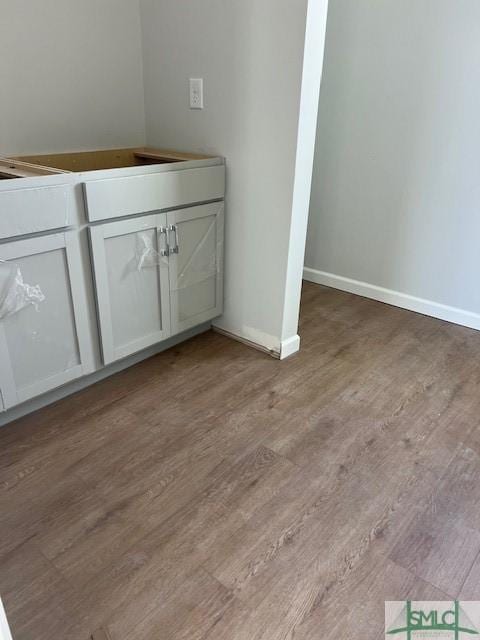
{"x": 196, "y": 269}
{"x": 132, "y": 285}
{"x": 44, "y": 347}
{"x": 132, "y": 288}
{"x": 43, "y": 341}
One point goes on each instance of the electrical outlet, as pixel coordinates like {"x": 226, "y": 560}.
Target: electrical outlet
{"x": 196, "y": 93}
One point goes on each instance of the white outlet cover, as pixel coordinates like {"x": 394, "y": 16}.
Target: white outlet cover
{"x": 196, "y": 93}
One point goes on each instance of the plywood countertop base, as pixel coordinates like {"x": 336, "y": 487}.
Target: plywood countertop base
{"x": 108, "y": 159}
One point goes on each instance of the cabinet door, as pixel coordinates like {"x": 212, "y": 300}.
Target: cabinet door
{"x": 43, "y": 348}
{"x": 131, "y": 280}
{"x": 196, "y": 265}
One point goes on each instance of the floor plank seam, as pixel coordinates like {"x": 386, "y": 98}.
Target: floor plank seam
{"x": 468, "y": 574}
{"x": 447, "y": 595}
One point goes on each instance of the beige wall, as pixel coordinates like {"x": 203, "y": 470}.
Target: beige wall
{"x": 70, "y": 75}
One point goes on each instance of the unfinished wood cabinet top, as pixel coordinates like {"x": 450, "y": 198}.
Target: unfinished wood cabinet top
{"x": 107, "y": 159}
{"x": 12, "y": 168}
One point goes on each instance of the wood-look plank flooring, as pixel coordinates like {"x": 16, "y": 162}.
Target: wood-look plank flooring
{"x": 213, "y": 493}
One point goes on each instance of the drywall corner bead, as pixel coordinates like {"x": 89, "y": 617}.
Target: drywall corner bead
{"x": 15, "y": 294}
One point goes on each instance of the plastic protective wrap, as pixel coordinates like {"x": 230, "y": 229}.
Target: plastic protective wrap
{"x": 15, "y": 294}
{"x": 203, "y": 263}
{"x": 146, "y": 253}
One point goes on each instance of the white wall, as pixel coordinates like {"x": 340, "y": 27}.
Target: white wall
{"x": 396, "y": 193}
{"x": 70, "y": 75}
{"x": 250, "y": 54}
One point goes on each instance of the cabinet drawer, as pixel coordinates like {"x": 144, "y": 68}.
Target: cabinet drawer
{"x": 26, "y": 211}
{"x": 118, "y": 197}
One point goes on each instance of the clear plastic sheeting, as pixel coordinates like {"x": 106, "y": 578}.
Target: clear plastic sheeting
{"x": 15, "y": 294}
{"x": 146, "y": 251}
{"x": 194, "y": 245}
{"x": 202, "y": 264}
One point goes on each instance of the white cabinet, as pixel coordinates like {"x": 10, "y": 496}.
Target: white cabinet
{"x": 154, "y": 269}
{"x": 195, "y": 265}
{"x": 43, "y": 348}
{"x": 132, "y": 288}
{"x": 156, "y": 276}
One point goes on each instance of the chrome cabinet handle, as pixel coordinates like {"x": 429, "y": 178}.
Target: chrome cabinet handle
{"x": 176, "y": 248}
{"x": 166, "y": 251}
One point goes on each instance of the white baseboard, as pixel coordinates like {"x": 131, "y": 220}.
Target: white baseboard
{"x": 261, "y": 341}
{"x": 289, "y": 347}
{"x": 395, "y": 298}
{"x": 272, "y": 351}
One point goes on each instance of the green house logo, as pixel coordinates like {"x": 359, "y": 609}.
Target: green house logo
{"x": 410, "y": 620}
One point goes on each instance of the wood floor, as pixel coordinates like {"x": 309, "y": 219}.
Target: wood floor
{"x": 215, "y": 493}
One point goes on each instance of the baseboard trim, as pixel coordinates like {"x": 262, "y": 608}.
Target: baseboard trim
{"x": 289, "y": 347}
{"x": 395, "y": 298}
{"x": 247, "y": 342}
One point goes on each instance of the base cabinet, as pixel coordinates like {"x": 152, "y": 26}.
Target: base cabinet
{"x": 126, "y": 247}
{"x": 156, "y": 276}
{"x": 42, "y": 348}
